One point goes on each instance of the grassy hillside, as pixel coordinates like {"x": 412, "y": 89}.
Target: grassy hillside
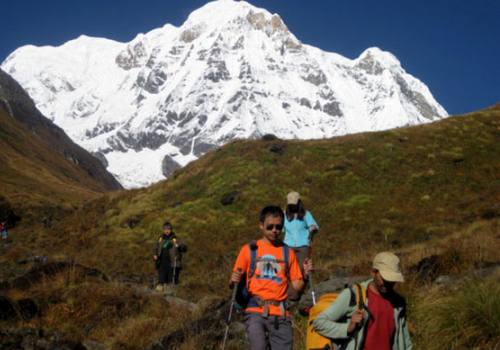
{"x": 33, "y": 176}
{"x": 430, "y": 189}
{"x": 382, "y": 190}
{"x": 18, "y": 104}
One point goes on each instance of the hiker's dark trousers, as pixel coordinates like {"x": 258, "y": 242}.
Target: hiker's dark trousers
{"x": 275, "y": 330}
{"x": 166, "y": 274}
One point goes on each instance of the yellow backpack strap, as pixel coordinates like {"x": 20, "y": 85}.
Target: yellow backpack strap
{"x": 360, "y": 296}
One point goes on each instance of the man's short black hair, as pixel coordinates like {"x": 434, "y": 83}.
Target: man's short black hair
{"x": 167, "y": 224}
{"x": 271, "y": 210}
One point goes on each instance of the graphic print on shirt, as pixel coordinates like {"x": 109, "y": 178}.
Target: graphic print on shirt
{"x": 269, "y": 268}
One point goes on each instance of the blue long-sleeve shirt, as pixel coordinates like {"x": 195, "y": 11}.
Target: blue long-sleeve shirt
{"x": 297, "y": 231}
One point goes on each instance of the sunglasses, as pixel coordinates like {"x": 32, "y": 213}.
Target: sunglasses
{"x": 271, "y": 227}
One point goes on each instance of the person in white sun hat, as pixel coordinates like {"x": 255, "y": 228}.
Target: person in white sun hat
{"x": 378, "y": 321}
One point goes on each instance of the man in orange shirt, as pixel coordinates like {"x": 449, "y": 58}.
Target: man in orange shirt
{"x": 274, "y": 269}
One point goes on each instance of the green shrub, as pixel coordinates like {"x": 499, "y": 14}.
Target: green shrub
{"x": 468, "y": 318}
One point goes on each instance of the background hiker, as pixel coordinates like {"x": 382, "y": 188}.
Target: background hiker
{"x": 168, "y": 258}
{"x": 3, "y": 230}
{"x": 275, "y": 265}
{"x": 300, "y": 227}
{"x": 381, "y": 324}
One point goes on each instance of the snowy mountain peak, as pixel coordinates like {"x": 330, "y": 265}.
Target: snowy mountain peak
{"x": 232, "y": 70}
{"x": 220, "y": 12}
{"x": 384, "y": 58}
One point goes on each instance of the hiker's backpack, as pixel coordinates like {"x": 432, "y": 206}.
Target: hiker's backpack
{"x": 316, "y": 341}
{"x": 242, "y": 294}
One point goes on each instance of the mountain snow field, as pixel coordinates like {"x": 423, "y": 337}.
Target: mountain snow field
{"x": 232, "y": 70}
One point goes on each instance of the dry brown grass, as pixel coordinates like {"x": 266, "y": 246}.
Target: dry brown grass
{"x": 120, "y": 316}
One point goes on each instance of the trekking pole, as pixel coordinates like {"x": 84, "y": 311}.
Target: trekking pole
{"x": 313, "y": 295}
{"x": 228, "y": 320}
{"x": 175, "y": 266}
{"x": 175, "y": 270}
{"x": 310, "y": 274}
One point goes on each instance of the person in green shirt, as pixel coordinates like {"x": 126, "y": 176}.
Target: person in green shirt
{"x": 168, "y": 257}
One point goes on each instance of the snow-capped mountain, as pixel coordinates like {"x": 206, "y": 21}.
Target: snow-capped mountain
{"x": 230, "y": 71}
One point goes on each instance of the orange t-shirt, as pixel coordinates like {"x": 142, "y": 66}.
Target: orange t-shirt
{"x": 269, "y": 282}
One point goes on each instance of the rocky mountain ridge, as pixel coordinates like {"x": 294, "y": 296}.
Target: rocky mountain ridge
{"x": 231, "y": 71}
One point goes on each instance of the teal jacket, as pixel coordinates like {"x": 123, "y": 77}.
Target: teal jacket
{"x": 297, "y": 231}
{"x": 333, "y": 322}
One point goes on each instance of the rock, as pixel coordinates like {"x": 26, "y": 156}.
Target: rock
{"x": 491, "y": 213}
{"x": 201, "y": 148}
{"x": 305, "y": 102}
{"x": 7, "y": 309}
{"x": 24, "y": 309}
{"x": 444, "y": 280}
{"x": 176, "y": 204}
{"x": 93, "y": 345}
{"x": 428, "y": 268}
{"x": 315, "y": 77}
{"x": 342, "y": 166}
{"x": 181, "y": 303}
{"x": 27, "y": 308}
{"x": 333, "y": 109}
{"x": 333, "y": 284}
{"x": 229, "y": 198}
{"x": 101, "y": 157}
{"x": 31, "y": 339}
{"x": 155, "y": 80}
{"x": 277, "y": 148}
{"x": 487, "y": 269}
{"x": 132, "y": 221}
{"x": 41, "y": 271}
{"x": 212, "y": 323}
{"x": 134, "y": 56}
{"x": 7, "y": 213}
{"x": 37, "y": 259}
{"x": 270, "y": 137}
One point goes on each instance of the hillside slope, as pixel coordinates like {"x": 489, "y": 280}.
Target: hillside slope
{"x": 378, "y": 190}
{"x": 18, "y": 104}
{"x": 425, "y": 192}
{"x": 33, "y": 176}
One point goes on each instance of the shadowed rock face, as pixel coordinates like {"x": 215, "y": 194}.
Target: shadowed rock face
{"x": 102, "y": 158}
{"x": 7, "y": 213}
{"x": 416, "y": 98}
{"x": 24, "y": 309}
{"x": 168, "y": 166}
{"x": 22, "y": 108}
{"x": 29, "y": 338}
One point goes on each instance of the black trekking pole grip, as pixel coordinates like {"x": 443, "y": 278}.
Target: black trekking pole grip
{"x": 233, "y": 299}
{"x": 230, "y": 314}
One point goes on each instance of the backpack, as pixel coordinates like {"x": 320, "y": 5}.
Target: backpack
{"x": 242, "y": 295}
{"x": 316, "y": 341}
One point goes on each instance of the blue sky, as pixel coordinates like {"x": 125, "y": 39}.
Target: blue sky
{"x": 451, "y": 45}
